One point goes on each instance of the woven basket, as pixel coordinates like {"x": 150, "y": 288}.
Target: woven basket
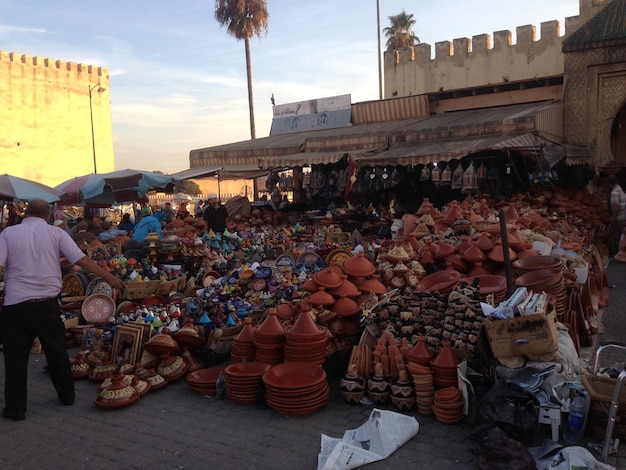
{"x": 135, "y": 290}
{"x": 601, "y": 391}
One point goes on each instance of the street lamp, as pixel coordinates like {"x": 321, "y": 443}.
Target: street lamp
{"x": 93, "y": 140}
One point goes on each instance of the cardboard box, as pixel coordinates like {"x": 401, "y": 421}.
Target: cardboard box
{"x": 71, "y": 322}
{"x": 520, "y": 336}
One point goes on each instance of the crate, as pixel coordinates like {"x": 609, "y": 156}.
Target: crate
{"x": 165, "y": 287}
{"x": 136, "y": 290}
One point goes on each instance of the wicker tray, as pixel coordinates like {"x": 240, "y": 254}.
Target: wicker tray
{"x": 601, "y": 389}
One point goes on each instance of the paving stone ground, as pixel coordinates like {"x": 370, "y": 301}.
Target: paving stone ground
{"x": 178, "y": 428}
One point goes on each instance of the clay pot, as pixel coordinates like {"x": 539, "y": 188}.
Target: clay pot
{"x": 420, "y": 353}
{"x": 347, "y": 287}
{"x": 327, "y": 278}
{"x": 172, "y": 367}
{"x": 403, "y": 393}
{"x": 378, "y": 386}
{"x": 321, "y": 297}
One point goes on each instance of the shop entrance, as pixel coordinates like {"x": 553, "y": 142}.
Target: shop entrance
{"x": 618, "y": 136}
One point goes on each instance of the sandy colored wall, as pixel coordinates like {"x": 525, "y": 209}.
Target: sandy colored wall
{"x": 45, "y": 133}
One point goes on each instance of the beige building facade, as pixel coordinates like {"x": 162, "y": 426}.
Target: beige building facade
{"x": 47, "y": 110}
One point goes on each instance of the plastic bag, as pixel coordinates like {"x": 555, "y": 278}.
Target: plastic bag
{"x": 496, "y": 450}
{"x": 512, "y": 409}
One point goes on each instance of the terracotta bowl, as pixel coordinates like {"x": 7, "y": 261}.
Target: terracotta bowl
{"x": 544, "y": 278}
{"x": 441, "y": 281}
{"x": 292, "y": 375}
{"x": 488, "y": 284}
{"x": 247, "y": 369}
{"x": 206, "y": 376}
{"x": 533, "y": 263}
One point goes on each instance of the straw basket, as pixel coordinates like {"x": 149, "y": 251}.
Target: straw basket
{"x": 220, "y": 340}
{"x": 601, "y": 391}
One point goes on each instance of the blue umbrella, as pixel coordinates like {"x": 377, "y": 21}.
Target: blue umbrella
{"x": 106, "y": 189}
{"x": 14, "y": 188}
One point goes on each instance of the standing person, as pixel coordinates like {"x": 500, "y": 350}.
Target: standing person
{"x": 14, "y": 217}
{"x": 169, "y": 213}
{"x": 215, "y": 215}
{"x": 30, "y": 254}
{"x": 618, "y": 212}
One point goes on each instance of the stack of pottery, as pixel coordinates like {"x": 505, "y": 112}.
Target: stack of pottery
{"x": 424, "y": 387}
{"x": 305, "y": 341}
{"x": 448, "y": 407}
{"x": 490, "y": 284}
{"x": 444, "y": 367}
{"x": 204, "y": 381}
{"x": 296, "y": 388}
{"x": 157, "y": 381}
{"x": 243, "y": 348}
{"x": 403, "y": 392}
{"x": 162, "y": 343}
{"x": 117, "y": 395}
{"x": 352, "y": 385}
{"x": 80, "y": 368}
{"x": 188, "y": 336}
{"x": 543, "y": 274}
{"x": 244, "y": 380}
{"x": 102, "y": 371}
{"x": 269, "y": 340}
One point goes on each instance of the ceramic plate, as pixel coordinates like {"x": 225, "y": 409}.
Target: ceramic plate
{"x": 99, "y": 286}
{"x": 308, "y": 258}
{"x": 285, "y": 262}
{"x": 338, "y": 256}
{"x": 98, "y": 308}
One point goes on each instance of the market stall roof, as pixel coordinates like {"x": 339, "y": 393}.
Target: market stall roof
{"x": 433, "y": 135}
{"x": 224, "y": 172}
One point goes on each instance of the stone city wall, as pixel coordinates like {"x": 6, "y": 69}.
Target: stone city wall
{"x": 46, "y": 121}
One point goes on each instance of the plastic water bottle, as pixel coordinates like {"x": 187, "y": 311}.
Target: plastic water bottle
{"x": 574, "y": 427}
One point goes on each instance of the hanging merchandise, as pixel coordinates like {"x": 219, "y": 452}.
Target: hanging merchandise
{"x": 341, "y": 181}
{"x": 387, "y": 181}
{"x": 457, "y": 177}
{"x": 319, "y": 182}
{"x": 333, "y": 181}
{"x": 446, "y": 176}
{"x": 481, "y": 173}
{"x": 272, "y": 180}
{"x": 425, "y": 175}
{"x": 470, "y": 180}
{"x": 435, "y": 175}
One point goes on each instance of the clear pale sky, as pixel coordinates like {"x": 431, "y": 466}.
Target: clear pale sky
{"x": 178, "y": 80}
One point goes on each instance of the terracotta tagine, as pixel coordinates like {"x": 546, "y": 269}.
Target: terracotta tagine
{"x": 156, "y": 380}
{"x": 117, "y": 395}
{"x": 352, "y": 385}
{"x": 420, "y": 354}
{"x": 358, "y": 266}
{"x": 172, "y": 367}
{"x": 80, "y": 368}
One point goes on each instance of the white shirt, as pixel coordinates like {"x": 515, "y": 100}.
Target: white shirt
{"x": 31, "y": 256}
{"x": 618, "y": 203}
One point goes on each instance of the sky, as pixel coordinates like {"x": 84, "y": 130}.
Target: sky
{"x": 178, "y": 80}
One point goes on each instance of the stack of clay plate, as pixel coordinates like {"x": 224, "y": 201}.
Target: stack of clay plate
{"x": 203, "y": 381}
{"x": 424, "y": 387}
{"x": 448, "y": 407}
{"x": 305, "y": 341}
{"x": 296, "y": 388}
{"x": 490, "y": 284}
{"x": 550, "y": 281}
{"x": 243, "y": 381}
{"x": 363, "y": 357}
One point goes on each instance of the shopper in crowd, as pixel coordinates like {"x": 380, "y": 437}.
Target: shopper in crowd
{"x": 215, "y": 215}
{"x": 62, "y": 224}
{"x": 618, "y": 212}
{"x": 82, "y": 237}
{"x": 126, "y": 224}
{"x": 30, "y": 261}
{"x": 13, "y": 217}
{"x": 109, "y": 232}
{"x": 96, "y": 225}
{"x": 148, "y": 224}
{"x": 169, "y": 213}
{"x": 182, "y": 211}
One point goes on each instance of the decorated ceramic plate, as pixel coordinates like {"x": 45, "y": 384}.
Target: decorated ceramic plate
{"x": 308, "y": 258}
{"x": 75, "y": 284}
{"x": 98, "y": 308}
{"x": 100, "y": 286}
{"x": 285, "y": 262}
{"x": 338, "y": 256}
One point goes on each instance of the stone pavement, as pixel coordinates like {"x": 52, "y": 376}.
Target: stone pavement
{"x": 178, "y": 428}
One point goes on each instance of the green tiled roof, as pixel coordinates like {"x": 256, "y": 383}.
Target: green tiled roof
{"x": 607, "y": 28}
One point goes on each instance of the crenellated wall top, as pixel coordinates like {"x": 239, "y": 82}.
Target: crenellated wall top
{"x": 54, "y": 64}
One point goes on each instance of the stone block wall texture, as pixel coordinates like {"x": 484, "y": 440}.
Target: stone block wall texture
{"x": 45, "y": 120}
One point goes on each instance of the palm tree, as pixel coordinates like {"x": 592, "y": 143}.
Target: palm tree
{"x": 400, "y": 33}
{"x": 244, "y": 19}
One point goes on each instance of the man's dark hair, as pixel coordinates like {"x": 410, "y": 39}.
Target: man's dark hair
{"x": 38, "y": 208}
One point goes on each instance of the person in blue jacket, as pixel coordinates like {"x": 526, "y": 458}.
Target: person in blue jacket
{"x": 148, "y": 224}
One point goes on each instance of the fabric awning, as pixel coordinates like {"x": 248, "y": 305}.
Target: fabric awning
{"x": 435, "y": 151}
{"x": 225, "y": 172}
{"x": 313, "y": 158}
